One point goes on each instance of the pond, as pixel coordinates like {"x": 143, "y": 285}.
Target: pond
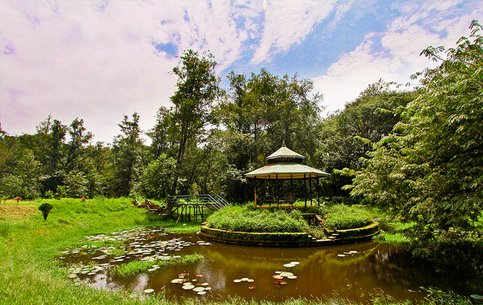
{"x": 356, "y": 272}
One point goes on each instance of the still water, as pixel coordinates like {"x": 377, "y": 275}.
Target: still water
{"x": 356, "y": 272}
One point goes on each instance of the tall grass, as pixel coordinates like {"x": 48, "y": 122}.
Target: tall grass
{"x": 136, "y": 267}
{"x": 4, "y": 228}
{"x": 340, "y": 216}
{"x": 247, "y": 219}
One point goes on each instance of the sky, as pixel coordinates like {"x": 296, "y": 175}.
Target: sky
{"x": 100, "y": 60}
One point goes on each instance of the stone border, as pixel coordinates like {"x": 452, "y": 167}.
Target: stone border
{"x": 300, "y": 239}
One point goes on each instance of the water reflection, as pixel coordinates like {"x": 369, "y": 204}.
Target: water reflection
{"x": 353, "y": 272}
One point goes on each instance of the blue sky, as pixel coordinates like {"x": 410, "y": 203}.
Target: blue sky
{"x": 99, "y": 60}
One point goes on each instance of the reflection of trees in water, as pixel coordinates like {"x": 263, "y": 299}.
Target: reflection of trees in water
{"x": 321, "y": 272}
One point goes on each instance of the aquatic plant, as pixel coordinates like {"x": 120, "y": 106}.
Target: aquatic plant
{"x": 136, "y": 267}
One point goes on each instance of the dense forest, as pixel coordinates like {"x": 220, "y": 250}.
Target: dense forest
{"x": 204, "y": 143}
{"x": 418, "y": 152}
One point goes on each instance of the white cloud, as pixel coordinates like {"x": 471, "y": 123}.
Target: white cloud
{"x": 96, "y": 60}
{"x": 392, "y": 55}
{"x": 287, "y": 24}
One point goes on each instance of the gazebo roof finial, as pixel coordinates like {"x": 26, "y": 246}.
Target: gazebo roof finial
{"x": 283, "y": 143}
{"x": 286, "y": 154}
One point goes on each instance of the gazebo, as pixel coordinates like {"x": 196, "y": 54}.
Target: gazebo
{"x": 283, "y": 165}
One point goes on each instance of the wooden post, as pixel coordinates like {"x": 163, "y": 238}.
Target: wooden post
{"x": 310, "y": 190}
{"x": 255, "y": 193}
{"x": 276, "y": 189}
{"x": 305, "y": 191}
{"x": 318, "y": 191}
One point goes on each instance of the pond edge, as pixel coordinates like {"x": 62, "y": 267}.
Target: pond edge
{"x": 282, "y": 239}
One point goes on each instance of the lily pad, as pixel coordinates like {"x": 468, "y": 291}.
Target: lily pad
{"x": 177, "y": 281}
{"x": 188, "y": 287}
{"x": 198, "y": 289}
{"x": 201, "y": 293}
{"x": 476, "y": 297}
{"x": 148, "y": 291}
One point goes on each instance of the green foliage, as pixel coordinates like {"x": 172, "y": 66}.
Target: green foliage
{"x": 21, "y": 177}
{"x": 341, "y": 216}
{"x": 437, "y": 296}
{"x": 37, "y": 276}
{"x": 157, "y": 178}
{"x": 4, "y": 228}
{"x": 135, "y": 267}
{"x": 247, "y": 219}
{"x": 430, "y": 169}
{"x": 346, "y": 136}
{"x": 197, "y": 89}
{"x": 45, "y": 208}
{"x": 259, "y": 113}
{"x": 76, "y": 185}
{"x": 128, "y": 153}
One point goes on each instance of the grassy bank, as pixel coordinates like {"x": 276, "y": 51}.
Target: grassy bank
{"x": 30, "y": 272}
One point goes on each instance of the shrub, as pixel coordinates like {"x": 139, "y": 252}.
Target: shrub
{"x": 45, "y": 208}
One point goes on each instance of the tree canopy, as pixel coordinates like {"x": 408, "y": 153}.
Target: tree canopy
{"x": 429, "y": 169}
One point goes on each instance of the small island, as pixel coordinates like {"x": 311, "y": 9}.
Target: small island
{"x": 278, "y": 218}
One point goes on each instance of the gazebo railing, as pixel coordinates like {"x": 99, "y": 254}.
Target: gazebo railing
{"x": 213, "y": 201}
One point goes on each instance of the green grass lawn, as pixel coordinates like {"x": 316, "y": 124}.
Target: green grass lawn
{"x": 29, "y": 270}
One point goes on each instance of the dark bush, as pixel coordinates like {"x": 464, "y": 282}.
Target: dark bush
{"x": 45, "y": 208}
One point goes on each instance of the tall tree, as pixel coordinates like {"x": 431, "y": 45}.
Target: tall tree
{"x": 21, "y": 176}
{"x": 162, "y": 134}
{"x": 345, "y": 137}
{"x": 128, "y": 150}
{"x": 430, "y": 169}
{"x": 259, "y": 114}
{"x": 56, "y": 144}
{"x": 79, "y": 137}
{"x": 197, "y": 89}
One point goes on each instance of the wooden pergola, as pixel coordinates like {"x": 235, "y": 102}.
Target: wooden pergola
{"x": 283, "y": 165}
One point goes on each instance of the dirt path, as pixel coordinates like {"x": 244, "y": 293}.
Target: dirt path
{"x": 8, "y": 212}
